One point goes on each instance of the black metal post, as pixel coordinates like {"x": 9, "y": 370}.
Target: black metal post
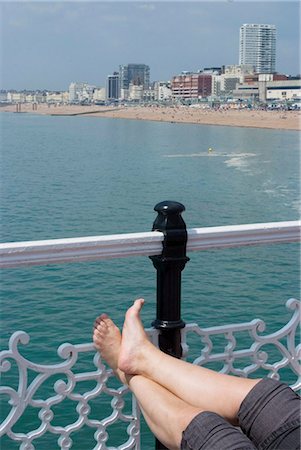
{"x": 169, "y": 266}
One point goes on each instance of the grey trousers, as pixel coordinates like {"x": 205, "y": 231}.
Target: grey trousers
{"x": 269, "y": 418}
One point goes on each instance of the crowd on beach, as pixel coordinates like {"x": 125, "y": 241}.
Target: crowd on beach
{"x": 233, "y": 114}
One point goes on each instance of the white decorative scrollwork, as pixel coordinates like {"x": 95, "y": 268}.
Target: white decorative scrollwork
{"x": 32, "y": 377}
{"x": 24, "y": 396}
{"x": 282, "y": 347}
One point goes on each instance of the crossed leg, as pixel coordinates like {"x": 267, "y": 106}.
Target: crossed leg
{"x": 158, "y": 405}
{"x": 170, "y": 391}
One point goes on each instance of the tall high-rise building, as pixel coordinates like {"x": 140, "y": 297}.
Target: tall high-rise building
{"x": 136, "y": 74}
{"x": 113, "y": 86}
{"x": 258, "y": 47}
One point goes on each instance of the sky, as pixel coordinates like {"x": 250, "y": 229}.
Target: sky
{"x": 47, "y": 45}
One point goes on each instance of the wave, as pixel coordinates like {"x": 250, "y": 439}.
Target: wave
{"x": 208, "y": 154}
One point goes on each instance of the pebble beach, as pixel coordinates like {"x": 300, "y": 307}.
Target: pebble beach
{"x": 287, "y": 120}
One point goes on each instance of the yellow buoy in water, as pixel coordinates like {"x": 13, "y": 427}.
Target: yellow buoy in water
{"x": 210, "y": 150}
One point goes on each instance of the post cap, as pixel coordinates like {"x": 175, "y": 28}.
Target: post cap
{"x": 169, "y": 207}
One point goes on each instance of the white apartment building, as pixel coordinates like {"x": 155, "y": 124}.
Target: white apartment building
{"x": 16, "y": 97}
{"x": 149, "y": 94}
{"x": 99, "y": 95}
{"x": 163, "y": 90}
{"x": 57, "y": 97}
{"x": 40, "y": 97}
{"x": 80, "y": 92}
{"x": 135, "y": 92}
{"x": 257, "y": 47}
{"x": 37, "y": 97}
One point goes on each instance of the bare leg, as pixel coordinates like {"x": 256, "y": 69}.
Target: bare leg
{"x": 197, "y": 386}
{"x": 166, "y": 415}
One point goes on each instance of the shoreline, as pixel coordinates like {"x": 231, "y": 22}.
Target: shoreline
{"x": 285, "y": 120}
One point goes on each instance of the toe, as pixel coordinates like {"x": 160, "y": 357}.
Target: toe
{"x": 105, "y": 318}
{"x": 138, "y": 304}
{"x": 99, "y": 319}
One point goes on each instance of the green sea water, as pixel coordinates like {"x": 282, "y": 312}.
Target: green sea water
{"x": 82, "y": 176}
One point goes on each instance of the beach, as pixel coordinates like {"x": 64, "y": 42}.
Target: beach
{"x": 286, "y": 120}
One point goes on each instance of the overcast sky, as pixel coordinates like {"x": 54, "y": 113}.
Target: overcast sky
{"x": 46, "y": 45}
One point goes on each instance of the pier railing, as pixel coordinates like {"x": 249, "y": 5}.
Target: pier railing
{"x": 166, "y": 245}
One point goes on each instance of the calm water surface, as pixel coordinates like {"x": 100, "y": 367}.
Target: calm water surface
{"x": 72, "y": 176}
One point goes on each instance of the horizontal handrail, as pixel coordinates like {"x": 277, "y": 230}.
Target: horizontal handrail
{"x": 243, "y": 235}
{"x": 17, "y": 254}
{"x": 80, "y": 249}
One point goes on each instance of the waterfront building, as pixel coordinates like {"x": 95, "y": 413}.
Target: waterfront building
{"x": 57, "y": 97}
{"x": 162, "y": 91}
{"x": 40, "y": 97}
{"x": 113, "y": 86}
{"x": 191, "y": 85}
{"x": 72, "y": 92}
{"x": 99, "y": 95}
{"x": 135, "y": 92}
{"x": 16, "y": 97}
{"x": 268, "y": 88}
{"x": 137, "y": 74}
{"x": 283, "y": 90}
{"x": 3, "y": 97}
{"x": 226, "y": 82}
{"x": 80, "y": 92}
{"x": 30, "y": 97}
{"x": 149, "y": 94}
{"x": 257, "y": 47}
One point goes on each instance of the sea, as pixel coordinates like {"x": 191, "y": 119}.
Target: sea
{"x": 65, "y": 176}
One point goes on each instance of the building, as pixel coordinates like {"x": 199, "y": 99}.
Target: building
{"x": 16, "y": 97}
{"x": 283, "y": 90}
{"x": 81, "y": 92}
{"x": 99, "y": 95}
{"x": 191, "y": 85}
{"x": 269, "y": 88}
{"x": 136, "y": 74}
{"x": 3, "y": 96}
{"x": 113, "y": 86}
{"x": 162, "y": 91}
{"x": 149, "y": 95}
{"x": 135, "y": 92}
{"x": 257, "y": 47}
{"x": 226, "y": 82}
{"x": 57, "y": 97}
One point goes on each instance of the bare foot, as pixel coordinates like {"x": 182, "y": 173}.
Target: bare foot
{"x": 134, "y": 344}
{"x": 107, "y": 340}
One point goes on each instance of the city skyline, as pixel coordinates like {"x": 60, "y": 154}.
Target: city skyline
{"x": 60, "y": 42}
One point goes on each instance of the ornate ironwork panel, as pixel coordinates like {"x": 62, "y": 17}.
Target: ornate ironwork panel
{"x": 32, "y": 376}
{"x": 261, "y": 355}
{"x": 96, "y": 392}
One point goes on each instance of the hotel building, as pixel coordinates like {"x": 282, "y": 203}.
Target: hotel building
{"x": 257, "y": 47}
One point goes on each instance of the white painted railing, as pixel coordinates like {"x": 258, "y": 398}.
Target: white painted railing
{"x": 23, "y": 394}
{"x": 94, "y": 248}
